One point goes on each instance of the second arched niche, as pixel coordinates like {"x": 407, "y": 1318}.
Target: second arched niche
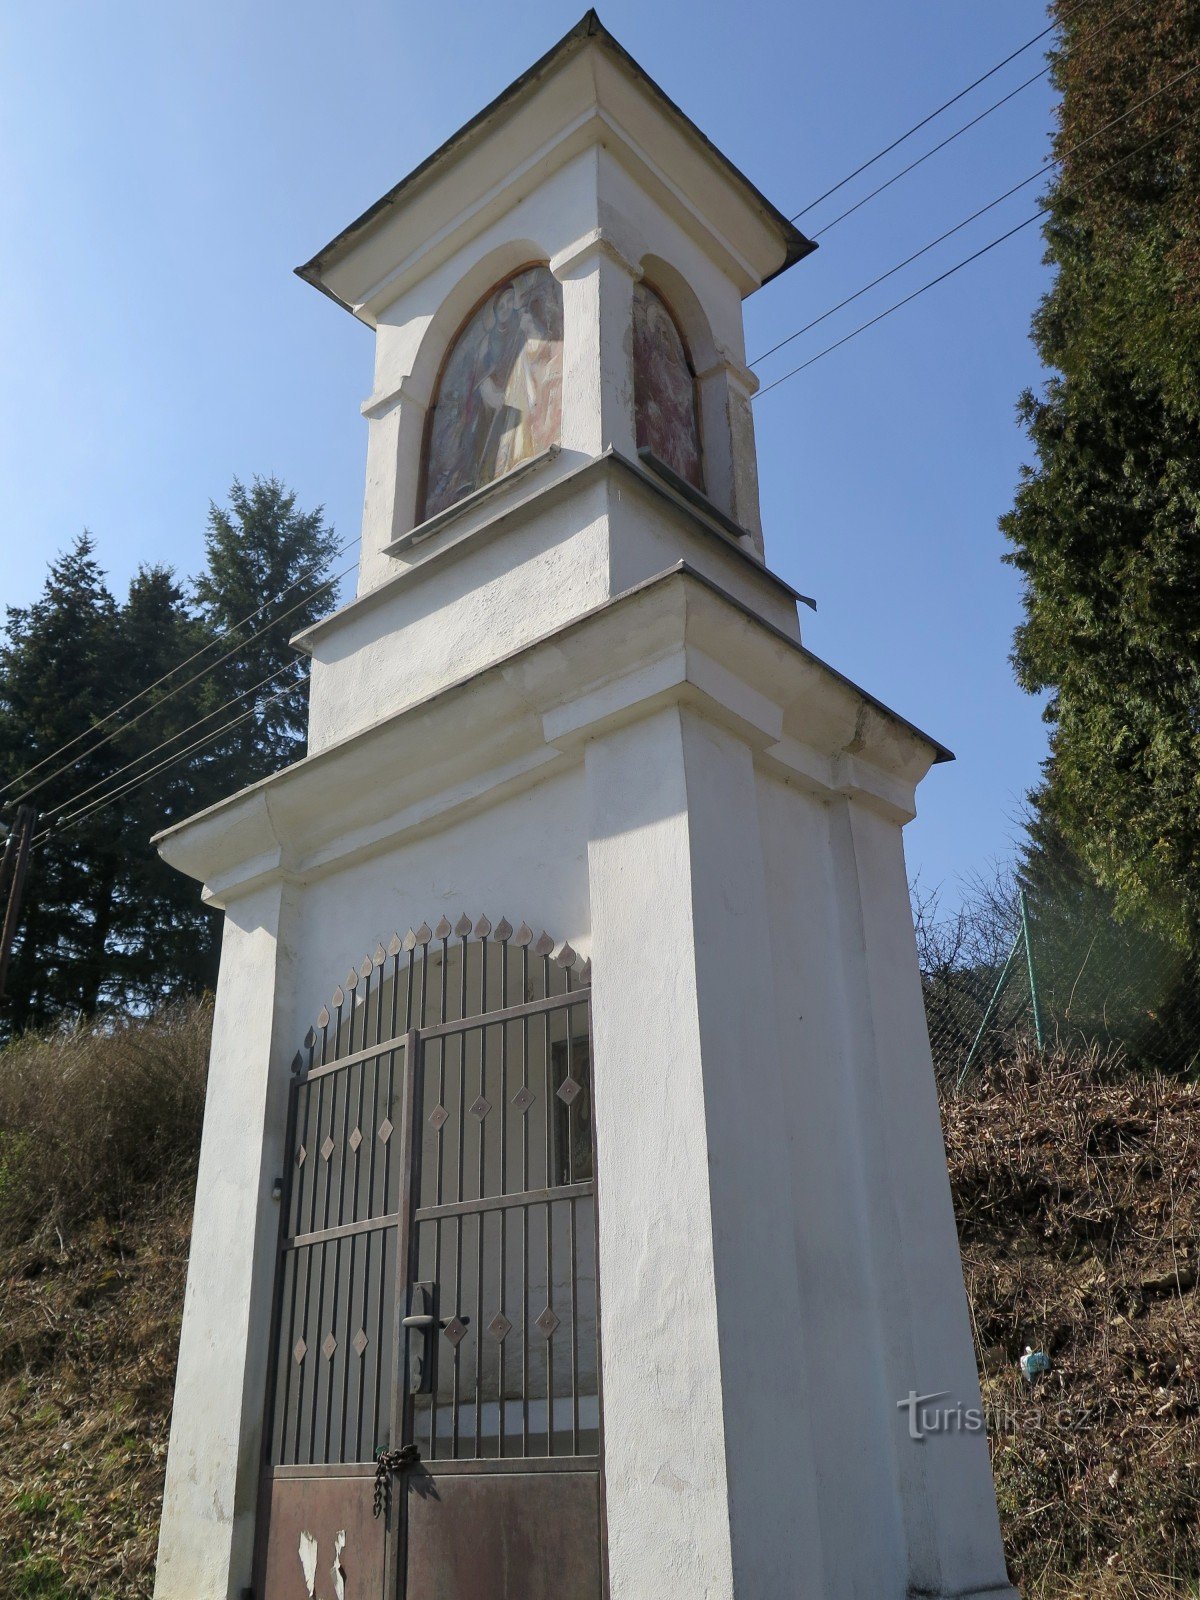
{"x": 664, "y": 388}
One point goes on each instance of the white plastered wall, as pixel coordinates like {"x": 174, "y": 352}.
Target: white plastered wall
{"x": 524, "y": 859}
{"x": 774, "y": 1201}
{"x": 206, "y": 1535}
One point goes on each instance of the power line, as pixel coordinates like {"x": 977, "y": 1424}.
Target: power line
{"x": 913, "y": 165}
{"x": 957, "y": 134}
{"x": 941, "y": 278}
{"x": 945, "y": 106}
{"x": 107, "y": 799}
{"x": 990, "y": 206}
{"x": 183, "y": 732}
{"x": 958, "y": 266}
{"x": 87, "y": 811}
{"x": 933, "y": 282}
{"x": 196, "y": 676}
{"x": 170, "y": 673}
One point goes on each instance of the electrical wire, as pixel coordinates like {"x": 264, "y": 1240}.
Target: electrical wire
{"x": 195, "y": 678}
{"x": 170, "y": 673}
{"x": 913, "y": 165}
{"x": 991, "y": 205}
{"x": 134, "y": 783}
{"x": 74, "y": 800}
{"x": 976, "y": 255}
{"x": 932, "y": 284}
{"x": 288, "y": 666}
{"x": 949, "y": 273}
{"x": 945, "y": 106}
{"x": 957, "y": 134}
{"x": 233, "y": 627}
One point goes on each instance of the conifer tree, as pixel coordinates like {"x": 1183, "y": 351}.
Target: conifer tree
{"x": 56, "y": 681}
{"x": 105, "y": 922}
{"x": 1106, "y": 526}
{"x": 164, "y": 941}
{"x": 265, "y": 556}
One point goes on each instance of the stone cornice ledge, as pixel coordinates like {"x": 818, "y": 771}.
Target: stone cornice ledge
{"x": 676, "y": 638}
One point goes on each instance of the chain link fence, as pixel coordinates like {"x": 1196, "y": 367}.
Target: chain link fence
{"x": 1005, "y": 970}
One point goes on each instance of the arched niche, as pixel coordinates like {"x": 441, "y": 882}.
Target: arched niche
{"x": 665, "y": 397}
{"x": 497, "y": 400}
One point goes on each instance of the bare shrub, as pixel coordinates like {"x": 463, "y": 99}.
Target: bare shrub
{"x": 100, "y": 1117}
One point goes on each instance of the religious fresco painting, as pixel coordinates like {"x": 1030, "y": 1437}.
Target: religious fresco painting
{"x": 664, "y": 389}
{"x": 500, "y": 398}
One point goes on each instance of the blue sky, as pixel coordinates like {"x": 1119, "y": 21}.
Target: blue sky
{"x": 164, "y": 167}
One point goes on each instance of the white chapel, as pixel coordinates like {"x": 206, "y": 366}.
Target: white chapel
{"x": 572, "y": 1218}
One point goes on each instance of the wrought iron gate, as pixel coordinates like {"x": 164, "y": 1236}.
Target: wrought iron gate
{"x": 436, "y": 1298}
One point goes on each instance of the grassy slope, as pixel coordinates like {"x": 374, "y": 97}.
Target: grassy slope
{"x": 98, "y": 1140}
{"x": 88, "y": 1336}
{"x": 1079, "y": 1207}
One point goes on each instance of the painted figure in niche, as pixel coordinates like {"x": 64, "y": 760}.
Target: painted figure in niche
{"x": 664, "y": 389}
{"x": 500, "y": 399}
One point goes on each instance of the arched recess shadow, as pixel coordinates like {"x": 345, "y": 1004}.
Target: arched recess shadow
{"x": 684, "y": 304}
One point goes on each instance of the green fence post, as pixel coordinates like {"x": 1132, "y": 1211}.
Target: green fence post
{"x": 1033, "y": 994}
{"x": 992, "y": 1006}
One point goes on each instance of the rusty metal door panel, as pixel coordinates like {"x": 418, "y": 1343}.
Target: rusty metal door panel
{"x": 504, "y": 1536}
{"x": 317, "y": 1524}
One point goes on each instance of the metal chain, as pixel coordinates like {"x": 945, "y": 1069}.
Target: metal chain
{"x": 387, "y": 1462}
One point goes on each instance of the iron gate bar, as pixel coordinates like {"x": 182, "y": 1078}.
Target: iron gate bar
{"x": 300, "y": 1241}
{"x": 408, "y": 1158}
{"x": 525, "y": 1213}
{"x": 506, "y": 1466}
{"x": 510, "y": 1466}
{"x": 289, "y": 1139}
{"x": 502, "y": 1202}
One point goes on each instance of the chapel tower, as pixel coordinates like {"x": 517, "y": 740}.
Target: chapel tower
{"x": 572, "y": 1216}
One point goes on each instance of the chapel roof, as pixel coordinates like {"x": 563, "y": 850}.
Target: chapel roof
{"x": 588, "y": 31}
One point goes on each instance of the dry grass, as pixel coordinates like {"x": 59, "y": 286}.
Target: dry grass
{"x": 99, "y": 1130}
{"x": 1077, "y": 1191}
{"x": 1078, "y": 1196}
{"x": 94, "y": 1120}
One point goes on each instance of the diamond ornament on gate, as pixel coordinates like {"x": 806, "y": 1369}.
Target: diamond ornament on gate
{"x": 438, "y": 1117}
{"x": 523, "y": 1098}
{"x": 455, "y": 1330}
{"x": 549, "y": 1321}
{"x": 499, "y": 1327}
{"x": 569, "y": 1091}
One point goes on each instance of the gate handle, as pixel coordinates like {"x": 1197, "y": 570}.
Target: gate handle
{"x": 423, "y": 1319}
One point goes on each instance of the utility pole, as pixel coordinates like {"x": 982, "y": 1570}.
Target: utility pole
{"x": 13, "y": 870}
